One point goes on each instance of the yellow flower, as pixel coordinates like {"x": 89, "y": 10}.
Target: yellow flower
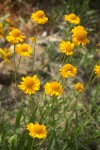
{"x": 23, "y": 49}
{"x": 97, "y": 70}
{"x": 33, "y": 39}
{"x": 53, "y": 88}
{"x": 68, "y": 70}
{"x": 15, "y": 36}
{"x": 79, "y": 87}
{"x": 79, "y": 36}
{"x": 5, "y": 54}
{"x": 30, "y": 84}
{"x": 72, "y": 18}
{"x": 1, "y": 30}
{"x": 37, "y": 131}
{"x": 39, "y": 17}
{"x": 66, "y": 47}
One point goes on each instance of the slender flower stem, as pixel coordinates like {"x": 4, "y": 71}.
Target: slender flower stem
{"x": 15, "y": 70}
{"x": 34, "y": 48}
{"x": 32, "y": 144}
{"x": 31, "y": 103}
{"x": 14, "y": 73}
{"x": 19, "y": 63}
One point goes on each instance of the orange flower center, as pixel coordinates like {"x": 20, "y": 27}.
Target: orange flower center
{"x": 73, "y": 17}
{"x": 68, "y": 47}
{"x": 29, "y": 84}
{"x": 55, "y": 88}
{"x": 41, "y": 15}
{"x": 24, "y": 48}
{"x": 15, "y": 33}
{"x": 38, "y": 130}
{"x": 68, "y": 69}
{"x": 81, "y": 35}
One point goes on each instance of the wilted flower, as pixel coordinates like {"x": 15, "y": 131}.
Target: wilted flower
{"x": 72, "y": 18}
{"x": 53, "y": 88}
{"x": 97, "y": 70}
{"x": 15, "y": 36}
{"x": 79, "y": 87}
{"x": 39, "y": 17}
{"x": 23, "y": 49}
{"x": 66, "y": 47}
{"x": 37, "y": 131}
{"x": 79, "y": 36}
{"x": 30, "y": 84}
{"x": 68, "y": 70}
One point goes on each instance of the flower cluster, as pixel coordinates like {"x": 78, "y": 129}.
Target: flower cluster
{"x": 37, "y": 131}
{"x": 31, "y": 84}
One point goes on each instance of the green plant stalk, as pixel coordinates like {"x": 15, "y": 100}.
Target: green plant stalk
{"x": 88, "y": 84}
{"x": 34, "y": 48}
{"x": 15, "y": 70}
{"x": 14, "y": 73}
{"x": 43, "y": 115}
{"x": 31, "y": 104}
{"x": 32, "y": 145}
{"x": 54, "y": 125}
{"x": 19, "y": 63}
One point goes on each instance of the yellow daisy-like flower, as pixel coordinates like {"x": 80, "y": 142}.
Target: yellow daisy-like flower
{"x": 23, "y": 49}
{"x": 79, "y": 36}
{"x": 15, "y": 36}
{"x": 72, "y": 18}
{"x": 5, "y": 54}
{"x": 39, "y": 17}
{"x": 68, "y": 70}
{"x": 30, "y": 84}
{"x": 66, "y": 47}
{"x": 37, "y": 131}
{"x": 33, "y": 39}
{"x": 97, "y": 70}
{"x": 1, "y": 30}
{"x": 79, "y": 87}
{"x": 53, "y": 88}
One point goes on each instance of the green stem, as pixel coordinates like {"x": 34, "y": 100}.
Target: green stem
{"x": 19, "y": 63}
{"x": 14, "y": 73}
{"x": 32, "y": 144}
{"x": 15, "y": 70}
{"x": 31, "y": 104}
{"x": 34, "y": 48}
